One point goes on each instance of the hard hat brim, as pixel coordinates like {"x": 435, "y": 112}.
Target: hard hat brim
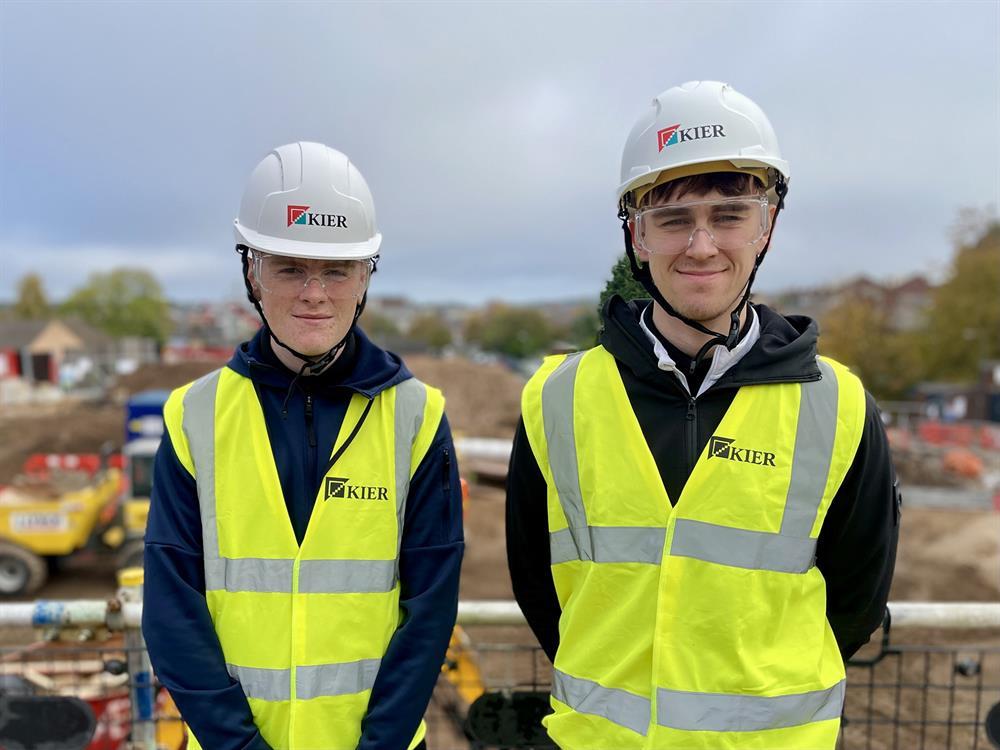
{"x": 740, "y": 162}
{"x": 311, "y": 250}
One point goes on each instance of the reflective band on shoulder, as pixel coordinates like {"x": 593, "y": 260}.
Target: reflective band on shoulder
{"x": 713, "y": 712}
{"x": 248, "y": 574}
{"x": 557, "y": 416}
{"x": 346, "y": 576}
{"x": 610, "y": 544}
{"x": 199, "y": 429}
{"x": 619, "y": 706}
{"x": 263, "y": 684}
{"x": 814, "y": 438}
{"x": 335, "y": 679}
{"x": 411, "y": 396}
{"x": 739, "y": 548}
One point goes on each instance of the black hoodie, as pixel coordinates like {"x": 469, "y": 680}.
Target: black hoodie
{"x": 856, "y": 550}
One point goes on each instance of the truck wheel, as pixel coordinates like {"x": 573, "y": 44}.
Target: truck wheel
{"x": 130, "y": 555}
{"x": 21, "y": 571}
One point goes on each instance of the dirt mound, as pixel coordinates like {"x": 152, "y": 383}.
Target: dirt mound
{"x": 948, "y": 556}
{"x": 164, "y": 377}
{"x": 58, "y": 428}
{"x": 482, "y": 400}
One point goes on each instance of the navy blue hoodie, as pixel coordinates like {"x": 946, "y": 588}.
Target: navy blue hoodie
{"x": 303, "y": 417}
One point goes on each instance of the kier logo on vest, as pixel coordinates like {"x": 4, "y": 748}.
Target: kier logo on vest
{"x": 341, "y": 488}
{"x": 723, "y": 447}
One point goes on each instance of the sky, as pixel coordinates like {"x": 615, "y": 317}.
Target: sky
{"x": 489, "y": 133}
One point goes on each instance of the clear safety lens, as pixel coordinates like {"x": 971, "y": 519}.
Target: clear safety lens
{"x": 288, "y": 277}
{"x": 731, "y": 223}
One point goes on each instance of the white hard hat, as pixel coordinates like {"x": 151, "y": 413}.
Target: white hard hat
{"x": 307, "y": 200}
{"x": 695, "y": 128}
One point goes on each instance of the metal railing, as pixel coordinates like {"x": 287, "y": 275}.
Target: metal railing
{"x": 493, "y": 688}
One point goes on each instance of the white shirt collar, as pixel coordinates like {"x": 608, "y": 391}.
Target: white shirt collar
{"x": 722, "y": 358}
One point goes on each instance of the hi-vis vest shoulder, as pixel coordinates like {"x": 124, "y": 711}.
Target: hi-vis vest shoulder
{"x": 303, "y": 629}
{"x": 701, "y": 625}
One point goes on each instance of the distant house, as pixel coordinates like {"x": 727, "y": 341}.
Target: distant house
{"x": 35, "y": 350}
{"x": 906, "y": 302}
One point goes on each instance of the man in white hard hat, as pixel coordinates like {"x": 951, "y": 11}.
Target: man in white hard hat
{"x": 305, "y": 531}
{"x": 702, "y": 515}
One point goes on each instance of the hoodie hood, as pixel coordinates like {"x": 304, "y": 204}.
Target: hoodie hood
{"x": 785, "y": 351}
{"x": 362, "y": 367}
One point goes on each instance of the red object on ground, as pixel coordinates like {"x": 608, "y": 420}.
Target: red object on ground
{"x": 114, "y": 720}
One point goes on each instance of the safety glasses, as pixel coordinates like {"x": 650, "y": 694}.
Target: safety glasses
{"x": 731, "y": 223}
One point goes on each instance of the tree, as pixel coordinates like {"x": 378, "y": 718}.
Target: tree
{"x": 622, "y": 283}
{"x": 964, "y": 321}
{"x": 859, "y": 333}
{"x": 123, "y": 302}
{"x": 428, "y": 329}
{"x": 31, "y": 302}
{"x": 583, "y": 330}
{"x": 514, "y": 331}
{"x": 379, "y": 327}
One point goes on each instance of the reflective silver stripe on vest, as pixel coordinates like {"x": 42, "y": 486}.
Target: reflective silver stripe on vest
{"x": 335, "y": 679}
{"x": 714, "y": 712}
{"x": 791, "y": 550}
{"x": 275, "y": 575}
{"x": 739, "y": 548}
{"x": 310, "y": 682}
{"x": 248, "y": 574}
{"x": 619, "y": 706}
{"x": 346, "y": 576}
{"x": 813, "y": 454}
{"x": 199, "y": 427}
{"x": 411, "y": 398}
{"x": 610, "y": 544}
{"x": 263, "y": 684}
{"x": 557, "y": 417}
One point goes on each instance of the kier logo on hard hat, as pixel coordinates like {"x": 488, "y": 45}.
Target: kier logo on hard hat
{"x": 674, "y": 134}
{"x": 297, "y": 214}
{"x": 302, "y": 215}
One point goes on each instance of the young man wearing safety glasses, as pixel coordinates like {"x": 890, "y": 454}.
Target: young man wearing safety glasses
{"x": 702, "y": 515}
{"x": 305, "y": 531}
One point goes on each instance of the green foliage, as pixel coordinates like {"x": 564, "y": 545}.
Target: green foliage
{"x": 583, "y": 330}
{"x": 378, "y": 327}
{"x": 429, "y": 330}
{"x": 123, "y": 302}
{"x": 859, "y": 333}
{"x": 963, "y": 328}
{"x": 31, "y": 301}
{"x": 514, "y": 331}
{"x": 622, "y": 283}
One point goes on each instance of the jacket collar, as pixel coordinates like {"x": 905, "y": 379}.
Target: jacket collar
{"x": 783, "y": 348}
{"x": 722, "y": 358}
{"x": 363, "y": 367}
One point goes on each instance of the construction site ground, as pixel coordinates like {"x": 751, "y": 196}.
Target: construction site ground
{"x": 944, "y": 554}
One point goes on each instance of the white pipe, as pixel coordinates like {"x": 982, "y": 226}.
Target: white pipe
{"x": 94, "y": 613}
{"x": 952, "y": 615}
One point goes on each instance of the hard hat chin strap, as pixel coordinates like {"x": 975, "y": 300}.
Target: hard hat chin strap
{"x": 641, "y": 273}
{"x": 314, "y": 364}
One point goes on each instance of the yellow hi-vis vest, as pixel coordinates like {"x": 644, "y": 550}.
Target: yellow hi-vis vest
{"x": 303, "y": 629}
{"x": 702, "y": 624}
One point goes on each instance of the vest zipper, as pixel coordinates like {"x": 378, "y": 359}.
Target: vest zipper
{"x": 309, "y": 422}
{"x": 692, "y": 433}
